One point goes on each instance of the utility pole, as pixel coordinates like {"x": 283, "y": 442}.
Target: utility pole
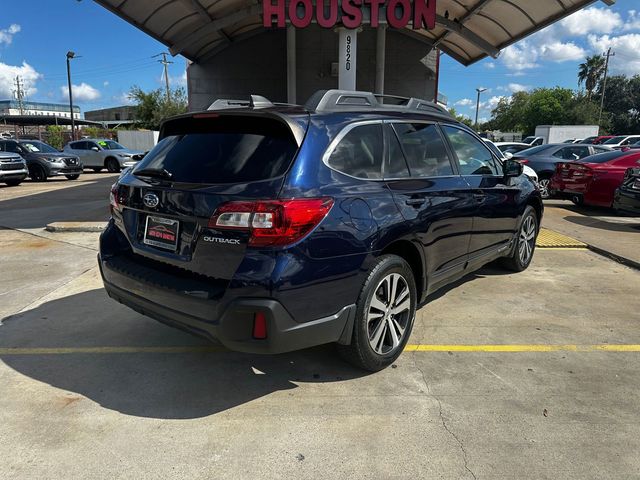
{"x": 71, "y": 55}
{"x": 479, "y": 90}
{"x": 20, "y": 94}
{"x": 608, "y": 54}
{"x": 166, "y": 63}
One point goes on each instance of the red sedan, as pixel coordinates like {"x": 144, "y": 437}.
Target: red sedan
{"x": 594, "y": 179}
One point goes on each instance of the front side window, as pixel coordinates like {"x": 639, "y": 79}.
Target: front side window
{"x": 38, "y": 147}
{"x": 474, "y": 158}
{"x": 12, "y": 147}
{"x": 424, "y": 149}
{"x": 359, "y": 152}
{"x": 109, "y": 145}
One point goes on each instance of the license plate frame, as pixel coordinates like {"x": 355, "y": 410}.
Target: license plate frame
{"x": 165, "y": 232}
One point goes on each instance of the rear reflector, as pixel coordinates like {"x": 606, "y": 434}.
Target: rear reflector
{"x": 259, "y": 326}
{"x": 272, "y": 222}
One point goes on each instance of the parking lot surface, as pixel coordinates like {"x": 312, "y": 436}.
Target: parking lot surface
{"x": 531, "y": 375}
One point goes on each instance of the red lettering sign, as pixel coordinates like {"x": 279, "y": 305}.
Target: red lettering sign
{"x": 327, "y": 13}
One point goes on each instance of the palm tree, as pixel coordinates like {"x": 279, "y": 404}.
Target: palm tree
{"x": 590, "y": 73}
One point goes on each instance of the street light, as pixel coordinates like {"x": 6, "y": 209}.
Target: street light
{"x": 479, "y": 90}
{"x": 71, "y": 55}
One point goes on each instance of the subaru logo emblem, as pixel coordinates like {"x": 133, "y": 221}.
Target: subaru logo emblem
{"x": 151, "y": 200}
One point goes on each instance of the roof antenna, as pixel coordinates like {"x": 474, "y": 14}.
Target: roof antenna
{"x": 258, "y": 101}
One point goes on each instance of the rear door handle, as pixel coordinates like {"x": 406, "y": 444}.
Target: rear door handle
{"x": 479, "y": 197}
{"x": 416, "y": 202}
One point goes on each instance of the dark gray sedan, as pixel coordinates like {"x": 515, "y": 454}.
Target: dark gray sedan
{"x": 543, "y": 159}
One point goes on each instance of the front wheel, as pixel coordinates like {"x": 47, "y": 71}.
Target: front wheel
{"x": 72, "y": 177}
{"x": 37, "y": 174}
{"x": 385, "y": 312}
{"x": 13, "y": 183}
{"x": 544, "y": 184}
{"x": 525, "y": 243}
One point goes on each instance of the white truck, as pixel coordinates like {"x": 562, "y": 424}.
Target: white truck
{"x": 561, "y": 133}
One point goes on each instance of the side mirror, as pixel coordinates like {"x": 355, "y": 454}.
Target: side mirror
{"x": 507, "y": 155}
{"x": 95, "y": 149}
{"x": 511, "y": 168}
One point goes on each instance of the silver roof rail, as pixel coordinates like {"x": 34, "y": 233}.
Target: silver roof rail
{"x": 347, "y": 100}
{"x": 255, "y": 101}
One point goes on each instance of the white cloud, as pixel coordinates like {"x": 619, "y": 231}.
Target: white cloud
{"x": 515, "y": 87}
{"x": 8, "y": 74}
{"x": 105, "y": 83}
{"x": 592, "y": 20}
{"x": 123, "y": 99}
{"x": 626, "y": 48}
{"x": 81, "y": 93}
{"x": 633, "y": 22}
{"x": 561, "y": 52}
{"x": 6, "y": 34}
{"x": 521, "y": 56}
{"x": 491, "y": 103}
{"x": 465, "y": 102}
{"x": 490, "y": 65}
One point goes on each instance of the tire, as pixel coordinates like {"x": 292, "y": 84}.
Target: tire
{"x": 72, "y": 177}
{"x": 375, "y": 343}
{"x": 525, "y": 245}
{"x": 97, "y": 169}
{"x": 544, "y": 185}
{"x": 37, "y": 173}
{"x": 112, "y": 165}
{"x": 13, "y": 183}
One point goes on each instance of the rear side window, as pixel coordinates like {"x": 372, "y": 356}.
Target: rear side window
{"x": 359, "y": 152}
{"x": 224, "y": 149}
{"x": 424, "y": 149}
{"x": 572, "y": 153}
{"x": 79, "y": 146}
{"x": 474, "y": 157}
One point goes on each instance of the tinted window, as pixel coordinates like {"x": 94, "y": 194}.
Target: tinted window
{"x": 396, "y": 165}
{"x": 38, "y": 147}
{"x": 224, "y": 149}
{"x": 424, "y": 149}
{"x": 108, "y": 145}
{"x": 614, "y": 140}
{"x": 572, "y": 153}
{"x": 600, "y": 149}
{"x": 359, "y": 152}
{"x": 532, "y": 151}
{"x": 79, "y": 146}
{"x": 474, "y": 158}
{"x": 11, "y": 147}
{"x": 604, "y": 157}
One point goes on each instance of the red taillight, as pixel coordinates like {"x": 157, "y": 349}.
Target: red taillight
{"x": 259, "y": 326}
{"x": 117, "y": 198}
{"x": 272, "y": 222}
{"x": 523, "y": 161}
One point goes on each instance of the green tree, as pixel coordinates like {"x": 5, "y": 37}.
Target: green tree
{"x": 590, "y": 73}
{"x": 622, "y": 104}
{"x": 153, "y": 107}
{"x": 55, "y": 136}
{"x": 461, "y": 118}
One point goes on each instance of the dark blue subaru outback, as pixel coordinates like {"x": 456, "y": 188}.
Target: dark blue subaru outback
{"x": 276, "y": 227}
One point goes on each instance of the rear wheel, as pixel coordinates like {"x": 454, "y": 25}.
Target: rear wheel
{"x": 112, "y": 165}
{"x": 544, "y": 184}
{"x": 72, "y": 177}
{"x": 525, "y": 243}
{"x": 37, "y": 173}
{"x": 384, "y": 315}
{"x": 13, "y": 183}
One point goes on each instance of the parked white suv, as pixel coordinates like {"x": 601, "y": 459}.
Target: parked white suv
{"x": 621, "y": 141}
{"x": 98, "y": 153}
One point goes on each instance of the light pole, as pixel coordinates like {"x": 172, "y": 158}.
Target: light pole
{"x": 479, "y": 90}
{"x": 71, "y": 55}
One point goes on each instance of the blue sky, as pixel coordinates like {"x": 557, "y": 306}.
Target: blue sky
{"x": 115, "y": 55}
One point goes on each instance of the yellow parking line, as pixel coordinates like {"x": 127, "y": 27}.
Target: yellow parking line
{"x": 408, "y": 348}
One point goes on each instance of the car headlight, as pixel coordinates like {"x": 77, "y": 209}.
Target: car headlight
{"x": 52, "y": 159}
{"x": 124, "y": 155}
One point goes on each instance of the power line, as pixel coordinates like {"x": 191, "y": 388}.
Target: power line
{"x": 608, "y": 54}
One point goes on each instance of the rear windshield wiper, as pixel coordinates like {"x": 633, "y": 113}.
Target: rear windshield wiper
{"x": 154, "y": 173}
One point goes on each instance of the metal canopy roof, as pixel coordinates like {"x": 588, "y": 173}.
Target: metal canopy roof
{"x": 467, "y": 30}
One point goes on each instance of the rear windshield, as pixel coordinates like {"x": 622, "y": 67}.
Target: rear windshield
{"x": 532, "y": 150}
{"x": 223, "y": 150}
{"x": 614, "y": 140}
{"x": 604, "y": 157}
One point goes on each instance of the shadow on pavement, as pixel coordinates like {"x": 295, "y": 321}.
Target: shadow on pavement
{"x": 155, "y": 385}
{"x": 604, "y": 225}
{"x": 87, "y": 202}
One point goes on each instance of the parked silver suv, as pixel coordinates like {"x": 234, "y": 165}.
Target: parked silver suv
{"x": 13, "y": 169}
{"x": 96, "y": 153}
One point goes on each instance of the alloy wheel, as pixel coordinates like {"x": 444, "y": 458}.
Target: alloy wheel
{"x": 389, "y": 314}
{"x": 527, "y": 240}
{"x": 544, "y": 185}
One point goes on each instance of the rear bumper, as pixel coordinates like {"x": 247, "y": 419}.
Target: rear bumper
{"x": 208, "y": 313}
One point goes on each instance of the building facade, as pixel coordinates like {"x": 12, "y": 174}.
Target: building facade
{"x": 125, "y": 113}
{"x": 13, "y": 107}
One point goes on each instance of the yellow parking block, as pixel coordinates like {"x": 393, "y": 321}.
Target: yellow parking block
{"x": 550, "y": 239}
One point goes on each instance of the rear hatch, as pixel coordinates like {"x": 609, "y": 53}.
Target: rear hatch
{"x": 164, "y": 205}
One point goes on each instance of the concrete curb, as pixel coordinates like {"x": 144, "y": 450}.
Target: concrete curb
{"x": 617, "y": 258}
{"x": 92, "y": 227}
